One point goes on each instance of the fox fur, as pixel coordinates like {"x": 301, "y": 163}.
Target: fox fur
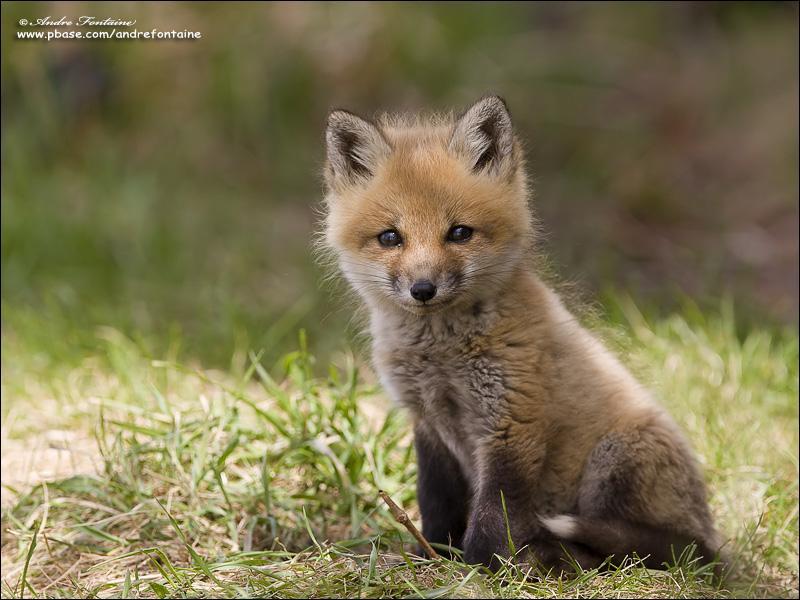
{"x": 508, "y": 393}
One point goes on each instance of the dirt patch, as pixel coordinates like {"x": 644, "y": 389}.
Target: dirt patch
{"x": 46, "y": 456}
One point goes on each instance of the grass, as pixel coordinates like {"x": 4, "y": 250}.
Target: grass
{"x": 262, "y": 480}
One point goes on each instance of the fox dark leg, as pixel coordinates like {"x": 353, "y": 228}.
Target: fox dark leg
{"x": 442, "y": 490}
{"x": 505, "y": 477}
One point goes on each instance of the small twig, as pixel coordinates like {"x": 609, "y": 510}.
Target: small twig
{"x": 402, "y": 518}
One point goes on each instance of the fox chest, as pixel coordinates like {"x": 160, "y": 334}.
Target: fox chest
{"x": 456, "y": 389}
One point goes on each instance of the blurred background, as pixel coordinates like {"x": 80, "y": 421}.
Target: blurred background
{"x": 171, "y": 188}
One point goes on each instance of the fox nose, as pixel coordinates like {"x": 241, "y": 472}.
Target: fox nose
{"x": 423, "y": 290}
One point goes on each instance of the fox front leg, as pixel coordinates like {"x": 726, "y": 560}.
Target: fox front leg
{"x": 442, "y": 490}
{"x": 486, "y": 534}
{"x": 503, "y": 478}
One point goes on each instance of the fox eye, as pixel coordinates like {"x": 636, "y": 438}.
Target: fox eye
{"x": 390, "y": 238}
{"x": 459, "y": 233}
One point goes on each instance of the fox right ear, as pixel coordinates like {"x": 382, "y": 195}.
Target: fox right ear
{"x": 355, "y": 147}
{"x": 484, "y": 136}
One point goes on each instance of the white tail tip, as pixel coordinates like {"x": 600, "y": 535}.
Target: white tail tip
{"x": 562, "y": 526}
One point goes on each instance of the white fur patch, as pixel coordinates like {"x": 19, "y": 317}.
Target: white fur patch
{"x": 562, "y": 526}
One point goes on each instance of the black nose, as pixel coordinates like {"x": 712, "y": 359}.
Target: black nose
{"x": 423, "y": 290}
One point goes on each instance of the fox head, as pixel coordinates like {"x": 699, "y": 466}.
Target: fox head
{"x": 426, "y": 214}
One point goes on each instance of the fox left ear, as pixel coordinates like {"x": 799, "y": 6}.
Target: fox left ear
{"x": 355, "y": 147}
{"x": 484, "y": 136}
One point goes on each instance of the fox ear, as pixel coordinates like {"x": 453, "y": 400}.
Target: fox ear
{"x": 484, "y": 136}
{"x": 355, "y": 147}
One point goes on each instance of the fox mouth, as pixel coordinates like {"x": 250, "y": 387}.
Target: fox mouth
{"x": 428, "y": 307}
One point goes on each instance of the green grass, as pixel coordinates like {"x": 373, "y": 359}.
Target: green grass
{"x": 262, "y": 480}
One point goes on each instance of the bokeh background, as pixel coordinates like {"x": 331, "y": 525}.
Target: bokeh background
{"x": 170, "y": 189}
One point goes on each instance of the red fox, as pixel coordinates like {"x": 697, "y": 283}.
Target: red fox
{"x": 513, "y": 402}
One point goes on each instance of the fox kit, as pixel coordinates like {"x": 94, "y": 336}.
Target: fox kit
{"x": 510, "y": 396}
